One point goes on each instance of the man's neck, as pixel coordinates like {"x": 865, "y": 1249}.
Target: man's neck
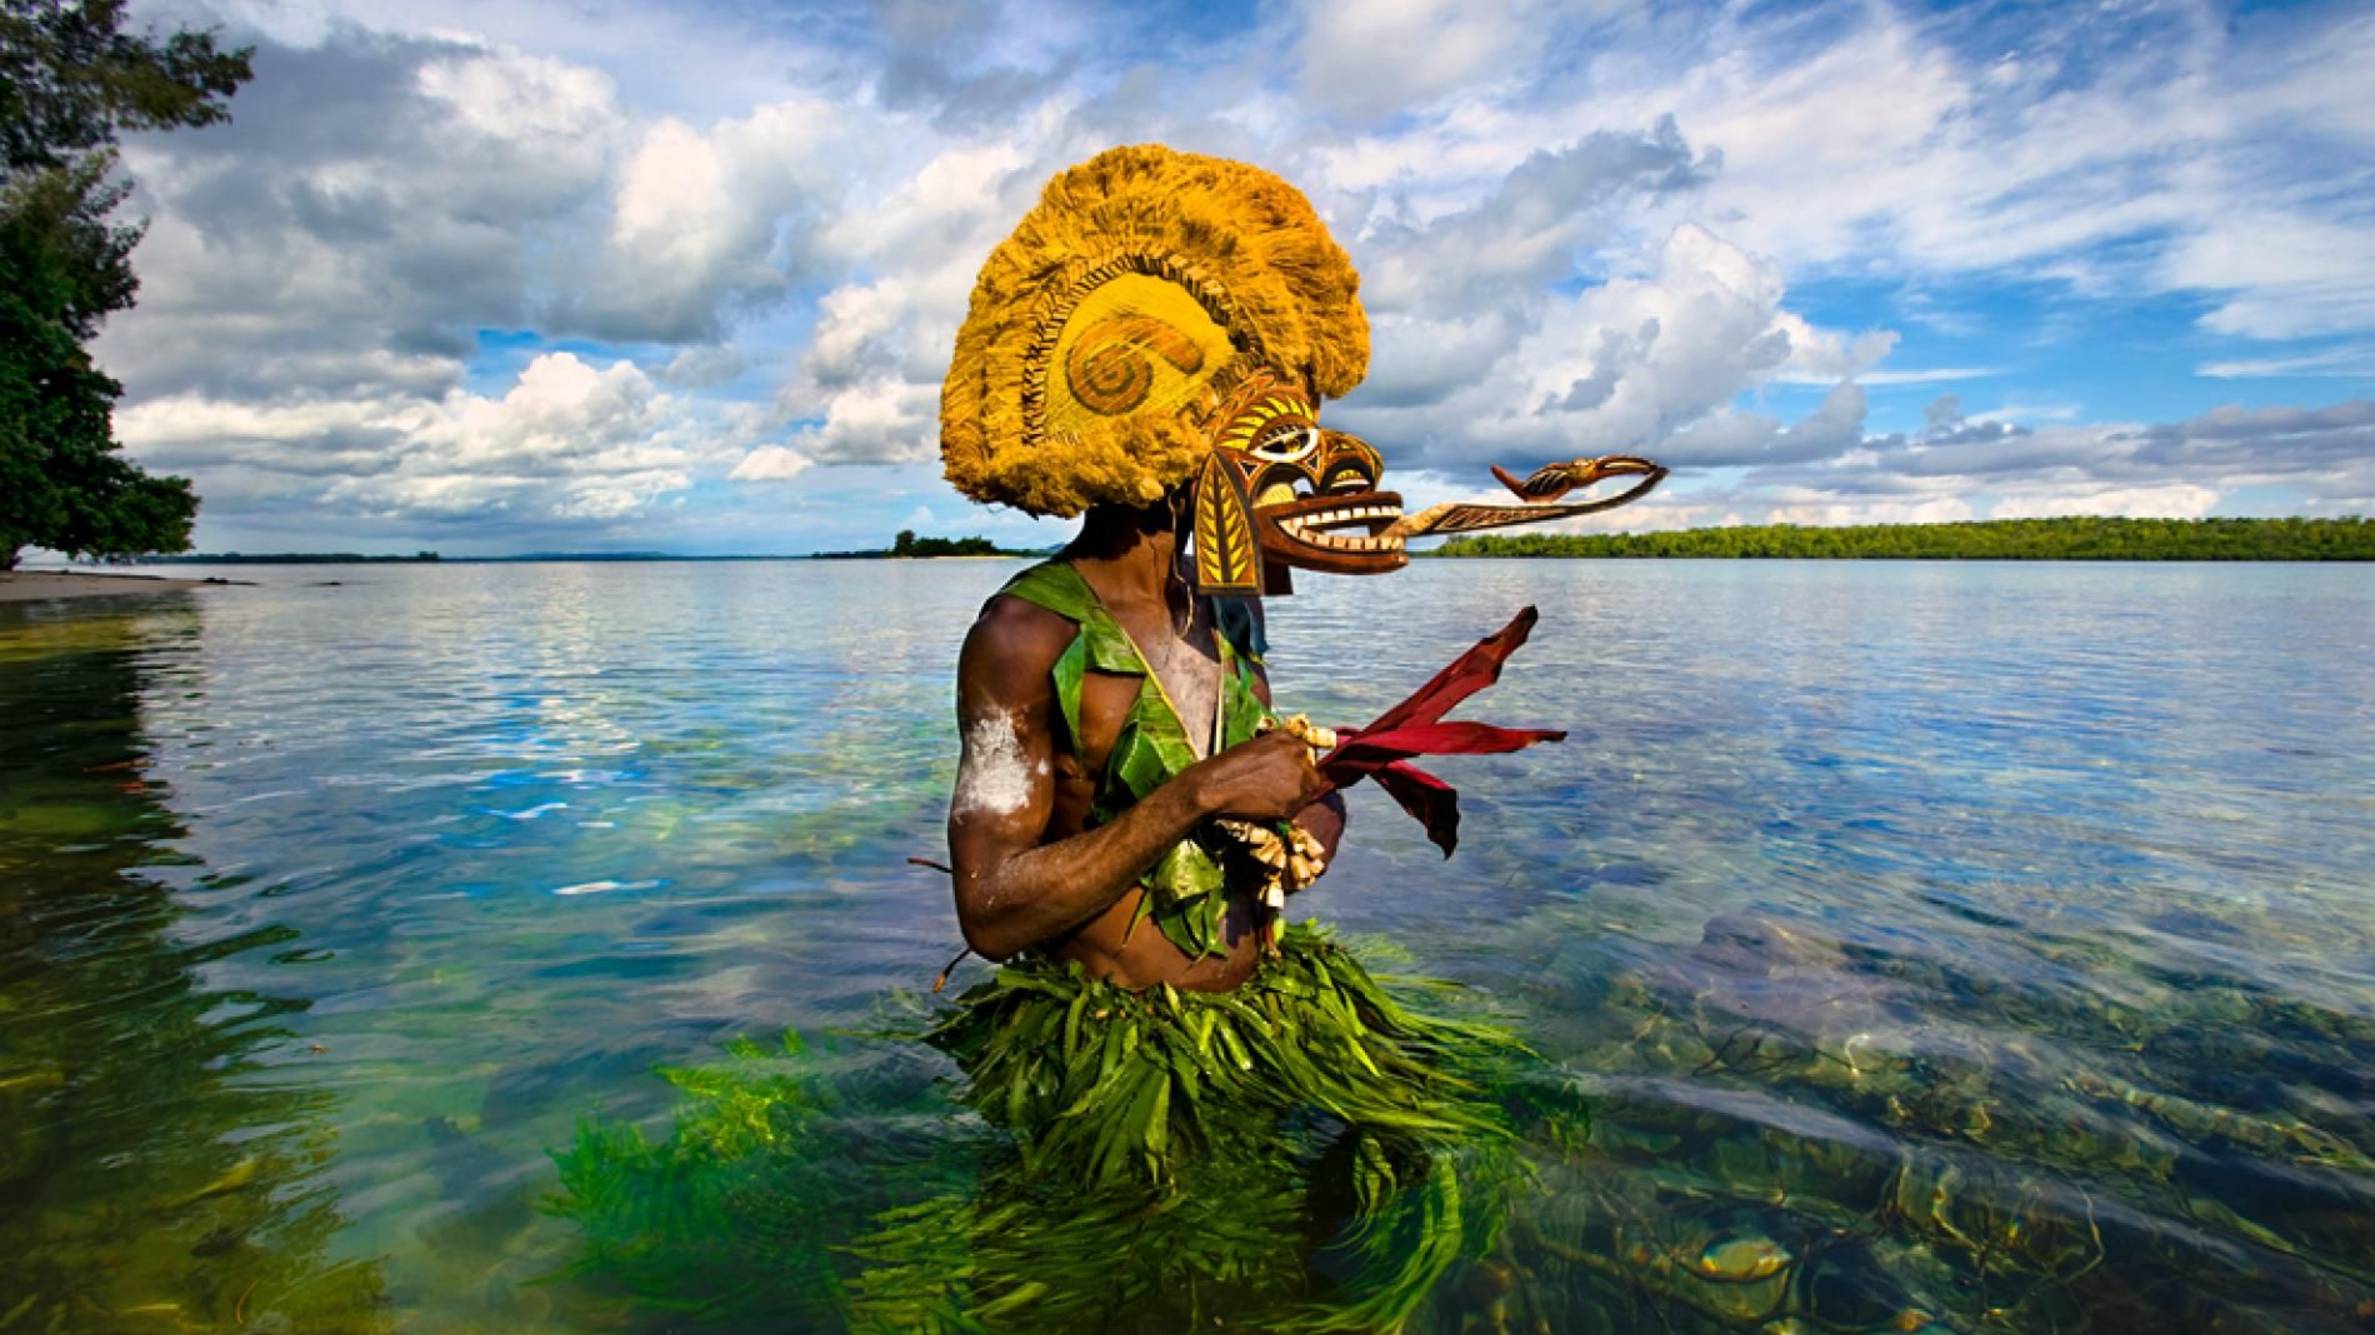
{"x": 1129, "y": 556}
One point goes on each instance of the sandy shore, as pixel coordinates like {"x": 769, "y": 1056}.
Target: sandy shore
{"x": 24, "y": 586}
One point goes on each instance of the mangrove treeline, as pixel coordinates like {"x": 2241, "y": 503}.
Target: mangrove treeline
{"x": 2074, "y": 539}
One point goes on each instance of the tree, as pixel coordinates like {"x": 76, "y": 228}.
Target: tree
{"x": 2073, "y": 538}
{"x": 71, "y": 81}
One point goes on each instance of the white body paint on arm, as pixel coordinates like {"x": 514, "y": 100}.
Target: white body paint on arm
{"x": 993, "y": 778}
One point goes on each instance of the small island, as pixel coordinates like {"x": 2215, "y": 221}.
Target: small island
{"x": 907, "y": 545}
{"x": 2083, "y": 538}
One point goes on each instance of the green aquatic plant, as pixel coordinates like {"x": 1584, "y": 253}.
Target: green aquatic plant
{"x": 1316, "y": 1151}
{"x": 1018, "y": 1250}
{"x": 732, "y": 1212}
{"x": 1265, "y": 1240}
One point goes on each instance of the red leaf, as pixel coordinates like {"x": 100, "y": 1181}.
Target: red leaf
{"x": 1471, "y": 672}
{"x": 1458, "y": 738}
{"x": 1415, "y": 727}
{"x": 1433, "y": 802}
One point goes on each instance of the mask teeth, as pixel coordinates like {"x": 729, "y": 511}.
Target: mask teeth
{"x": 1305, "y": 528}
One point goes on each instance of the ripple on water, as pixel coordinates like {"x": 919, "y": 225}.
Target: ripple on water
{"x": 1967, "y": 945}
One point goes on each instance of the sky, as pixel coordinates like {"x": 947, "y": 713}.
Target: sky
{"x": 501, "y": 276}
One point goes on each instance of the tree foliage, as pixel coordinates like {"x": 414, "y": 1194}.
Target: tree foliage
{"x": 908, "y": 544}
{"x": 2083, "y": 538}
{"x": 71, "y": 81}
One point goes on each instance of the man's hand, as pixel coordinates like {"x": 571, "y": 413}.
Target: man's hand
{"x": 1270, "y": 777}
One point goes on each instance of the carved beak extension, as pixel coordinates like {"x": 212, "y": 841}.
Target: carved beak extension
{"x": 1546, "y": 485}
{"x": 1552, "y": 481}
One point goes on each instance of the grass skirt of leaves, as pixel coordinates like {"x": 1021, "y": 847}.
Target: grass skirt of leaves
{"x": 1314, "y": 1150}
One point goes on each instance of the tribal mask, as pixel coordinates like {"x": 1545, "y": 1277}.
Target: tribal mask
{"x": 1280, "y": 490}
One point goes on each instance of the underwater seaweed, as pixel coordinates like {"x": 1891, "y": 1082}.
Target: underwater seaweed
{"x": 1313, "y": 1153}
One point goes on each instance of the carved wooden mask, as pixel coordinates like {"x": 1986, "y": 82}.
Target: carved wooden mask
{"x": 1279, "y": 490}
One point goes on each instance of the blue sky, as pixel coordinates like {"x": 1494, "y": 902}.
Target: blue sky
{"x": 549, "y": 274}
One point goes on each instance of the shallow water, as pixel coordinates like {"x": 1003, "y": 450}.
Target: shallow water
{"x": 1989, "y": 944}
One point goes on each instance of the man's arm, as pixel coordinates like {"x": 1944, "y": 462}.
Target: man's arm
{"x": 1014, "y": 892}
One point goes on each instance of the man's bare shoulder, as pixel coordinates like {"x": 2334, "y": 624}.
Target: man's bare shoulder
{"x": 1014, "y": 640}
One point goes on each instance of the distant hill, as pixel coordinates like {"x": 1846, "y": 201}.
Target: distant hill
{"x": 279, "y": 559}
{"x": 2074, "y": 539}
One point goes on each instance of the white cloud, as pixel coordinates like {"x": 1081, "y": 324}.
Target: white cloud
{"x": 561, "y": 115}
{"x": 2356, "y": 362}
{"x": 2114, "y": 150}
{"x": 770, "y": 463}
{"x": 1540, "y": 218}
{"x": 881, "y": 419}
{"x": 561, "y": 411}
{"x": 567, "y": 441}
{"x": 2182, "y": 469}
{"x": 2291, "y": 276}
{"x": 1705, "y": 323}
{"x": 1810, "y": 506}
{"x": 868, "y": 383}
{"x": 2171, "y": 500}
{"x": 1926, "y": 375}
{"x": 373, "y": 204}
{"x": 317, "y": 275}
{"x": 703, "y": 367}
{"x": 1824, "y": 357}
{"x": 1366, "y": 58}
{"x": 704, "y": 221}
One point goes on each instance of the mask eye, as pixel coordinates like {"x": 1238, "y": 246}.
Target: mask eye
{"x": 1287, "y": 443}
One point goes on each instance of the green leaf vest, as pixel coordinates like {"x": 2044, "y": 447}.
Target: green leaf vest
{"x": 1188, "y": 892}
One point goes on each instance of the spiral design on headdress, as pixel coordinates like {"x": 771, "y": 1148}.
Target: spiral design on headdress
{"x": 1111, "y": 378}
{"x": 1109, "y": 369}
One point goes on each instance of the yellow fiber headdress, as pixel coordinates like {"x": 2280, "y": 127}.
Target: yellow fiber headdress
{"x": 1138, "y": 279}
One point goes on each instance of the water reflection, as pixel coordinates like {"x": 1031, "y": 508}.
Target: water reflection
{"x": 159, "y": 1162}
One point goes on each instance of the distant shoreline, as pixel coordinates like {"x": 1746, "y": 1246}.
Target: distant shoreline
{"x": 33, "y": 586}
{"x": 2068, "y": 539}
{"x": 582, "y": 558}
{"x": 289, "y": 559}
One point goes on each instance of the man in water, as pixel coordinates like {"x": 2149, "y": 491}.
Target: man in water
{"x": 1148, "y": 352}
{"x": 1034, "y": 868}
